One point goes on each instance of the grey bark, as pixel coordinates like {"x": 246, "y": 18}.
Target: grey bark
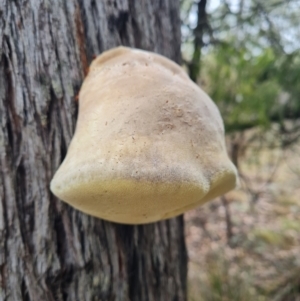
{"x": 49, "y": 251}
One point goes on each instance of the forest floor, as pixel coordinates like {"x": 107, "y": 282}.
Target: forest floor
{"x": 252, "y": 252}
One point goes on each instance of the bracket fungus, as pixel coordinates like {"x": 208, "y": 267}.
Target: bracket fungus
{"x": 149, "y": 143}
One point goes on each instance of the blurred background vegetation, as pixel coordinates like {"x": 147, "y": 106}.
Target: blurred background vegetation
{"x": 245, "y": 55}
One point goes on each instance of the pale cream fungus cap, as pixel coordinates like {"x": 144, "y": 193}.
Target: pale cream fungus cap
{"x": 149, "y": 143}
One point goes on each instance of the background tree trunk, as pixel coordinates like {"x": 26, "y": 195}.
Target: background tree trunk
{"x": 49, "y": 251}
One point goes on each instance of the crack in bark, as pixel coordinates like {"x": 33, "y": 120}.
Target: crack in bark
{"x": 80, "y": 38}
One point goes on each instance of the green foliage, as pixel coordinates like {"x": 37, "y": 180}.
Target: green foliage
{"x": 251, "y": 90}
{"x": 249, "y": 64}
{"x": 241, "y": 86}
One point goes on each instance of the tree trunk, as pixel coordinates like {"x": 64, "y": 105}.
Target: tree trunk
{"x": 49, "y": 251}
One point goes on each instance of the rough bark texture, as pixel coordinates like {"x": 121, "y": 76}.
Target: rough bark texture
{"x": 48, "y": 251}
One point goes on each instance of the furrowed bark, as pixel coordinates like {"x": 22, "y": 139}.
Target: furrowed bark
{"x": 49, "y": 251}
